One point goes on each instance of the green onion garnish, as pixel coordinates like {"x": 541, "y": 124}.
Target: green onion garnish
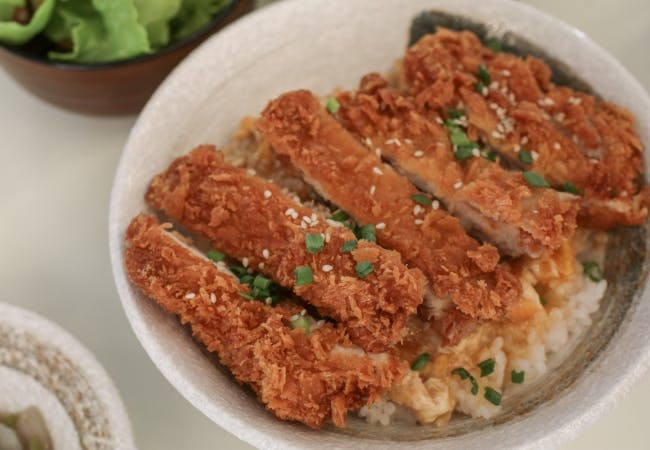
{"x": 526, "y": 157}
{"x": 487, "y": 367}
{"x": 215, "y": 255}
{"x": 455, "y": 113}
{"x": 465, "y": 375}
{"x": 247, "y": 278}
{"x": 493, "y": 396}
{"x": 314, "y": 243}
{"x": 301, "y": 322}
{"x": 366, "y": 232}
{"x": 421, "y": 362}
{"x": 458, "y": 137}
{"x": 593, "y": 271}
{"x": 535, "y": 180}
{"x": 303, "y": 275}
{"x": 478, "y": 87}
{"x": 483, "y": 74}
{"x": 421, "y": 199}
{"x": 246, "y": 296}
{"x": 364, "y": 268}
{"x": 491, "y": 156}
{"x": 333, "y": 105}
{"x": 571, "y": 188}
{"x": 348, "y": 246}
{"x": 464, "y": 152}
{"x": 261, "y": 282}
{"x": 517, "y": 377}
{"x": 494, "y": 45}
{"x": 239, "y": 271}
{"x": 340, "y": 216}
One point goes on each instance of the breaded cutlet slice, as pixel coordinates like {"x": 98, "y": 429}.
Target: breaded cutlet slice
{"x": 496, "y": 203}
{"x": 345, "y": 172}
{"x": 306, "y": 377}
{"x": 579, "y": 143}
{"x": 254, "y": 221}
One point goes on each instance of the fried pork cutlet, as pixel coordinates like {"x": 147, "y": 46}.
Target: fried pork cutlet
{"x": 309, "y": 377}
{"x": 577, "y": 143}
{"x": 496, "y": 203}
{"x": 355, "y": 179}
{"x": 366, "y": 288}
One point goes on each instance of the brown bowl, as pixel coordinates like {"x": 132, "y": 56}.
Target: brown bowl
{"x": 108, "y": 88}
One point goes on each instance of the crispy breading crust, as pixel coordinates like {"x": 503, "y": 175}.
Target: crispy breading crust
{"x": 307, "y": 378}
{"x": 250, "y": 218}
{"x": 499, "y": 204}
{"x": 340, "y": 168}
{"x": 578, "y": 139}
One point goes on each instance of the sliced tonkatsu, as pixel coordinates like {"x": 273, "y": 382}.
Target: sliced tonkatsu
{"x": 358, "y": 283}
{"x": 565, "y": 138}
{"x": 438, "y": 157}
{"x": 458, "y": 267}
{"x": 309, "y": 375}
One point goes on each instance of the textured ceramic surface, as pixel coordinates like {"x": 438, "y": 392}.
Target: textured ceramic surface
{"x": 42, "y": 365}
{"x": 317, "y": 45}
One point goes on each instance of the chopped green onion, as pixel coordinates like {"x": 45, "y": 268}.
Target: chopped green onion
{"x": 455, "y": 113}
{"x": 421, "y": 362}
{"x": 465, "y": 375}
{"x": 491, "y": 156}
{"x": 571, "y": 188}
{"x": 494, "y": 45}
{"x": 483, "y": 74}
{"x": 333, "y": 105}
{"x": 340, "y": 216}
{"x": 526, "y": 157}
{"x": 303, "y": 275}
{"x": 261, "y": 282}
{"x": 247, "y": 279}
{"x": 215, "y": 255}
{"x": 464, "y": 152}
{"x": 364, "y": 268}
{"x": 458, "y": 137}
{"x": 517, "y": 377}
{"x": 314, "y": 243}
{"x": 246, "y": 296}
{"x": 593, "y": 271}
{"x": 367, "y": 232}
{"x": 239, "y": 271}
{"x": 301, "y": 322}
{"x": 493, "y": 396}
{"x": 535, "y": 180}
{"x": 348, "y": 246}
{"x": 478, "y": 87}
{"x": 421, "y": 199}
{"x": 487, "y": 367}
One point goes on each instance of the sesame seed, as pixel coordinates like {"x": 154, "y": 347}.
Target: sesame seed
{"x": 294, "y": 317}
{"x": 484, "y": 91}
{"x": 377, "y": 170}
{"x": 294, "y": 216}
{"x": 458, "y": 184}
{"x": 575, "y": 100}
{"x": 334, "y": 223}
{"x": 500, "y": 128}
{"x": 327, "y": 268}
{"x": 476, "y": 152}
{"x": 417, "y": 209}
{"x": 367, "y": 141}
{"x": 559, "y": 117}
{"x": 190, "y": 295}
{"x": 418, "y": 221}
{"x": 494, "y": 85}
{"x": 408, "y": 141}
{"x": 557, "y": 146}
{"x": 380, "y": 226}
{"x": 493, "y": 105}
{"x": 268, "y": 300}
{"x": 517, "y": 148}
{"x": 267, "y": 194}
{"x": 439, "y": 120}
{"x": 261, "y": 265}
{"x": 505, "y": 72}
{"x": 266, "y": 253}
{"x": 535, "y": 155}
{"x": 314, "y": 217}
{"x": 213, "y": 298}
{"x": 394, "y": 141}
{"x": 524, "y": 140}
{"x": 306, "y": 219}
{"x": 289, "y": 212}
{"x": 435, "y": 204}
{"x": 251, "y": 172}
{"x": 303, "y": 224}
{"x": 418, "y": 154}
{"x": 372, "y": 189}
{"x": 244, "y": 262}
{"x": 327, "y": 237}
{"x": 303, "y": 312}
{"x": 378, "y": 152}
{"x": 497, "y": 135}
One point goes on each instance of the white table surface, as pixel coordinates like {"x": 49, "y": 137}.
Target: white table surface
{"x": 56, "y": 170}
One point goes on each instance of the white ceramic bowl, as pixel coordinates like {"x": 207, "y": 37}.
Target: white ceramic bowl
{"x": 321, "y": 45}
{"x": 42, "y": 365}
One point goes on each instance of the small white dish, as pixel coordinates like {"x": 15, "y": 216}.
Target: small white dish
{"x": 319, "y": 46}
{"x": 42, "y": 365}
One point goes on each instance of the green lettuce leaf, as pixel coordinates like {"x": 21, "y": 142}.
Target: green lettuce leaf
{"x": 14, "y": 33}
{"x": 155, "y": 15}
{"x": 98, "y": 31}
{"x": 194, "y": 15}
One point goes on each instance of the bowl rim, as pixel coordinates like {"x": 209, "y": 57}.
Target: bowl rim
{"x": 531, "y": 431}
{"x": 188, "y": 40}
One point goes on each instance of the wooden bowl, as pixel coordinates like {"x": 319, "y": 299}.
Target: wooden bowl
{"x": 108, "y": 88}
